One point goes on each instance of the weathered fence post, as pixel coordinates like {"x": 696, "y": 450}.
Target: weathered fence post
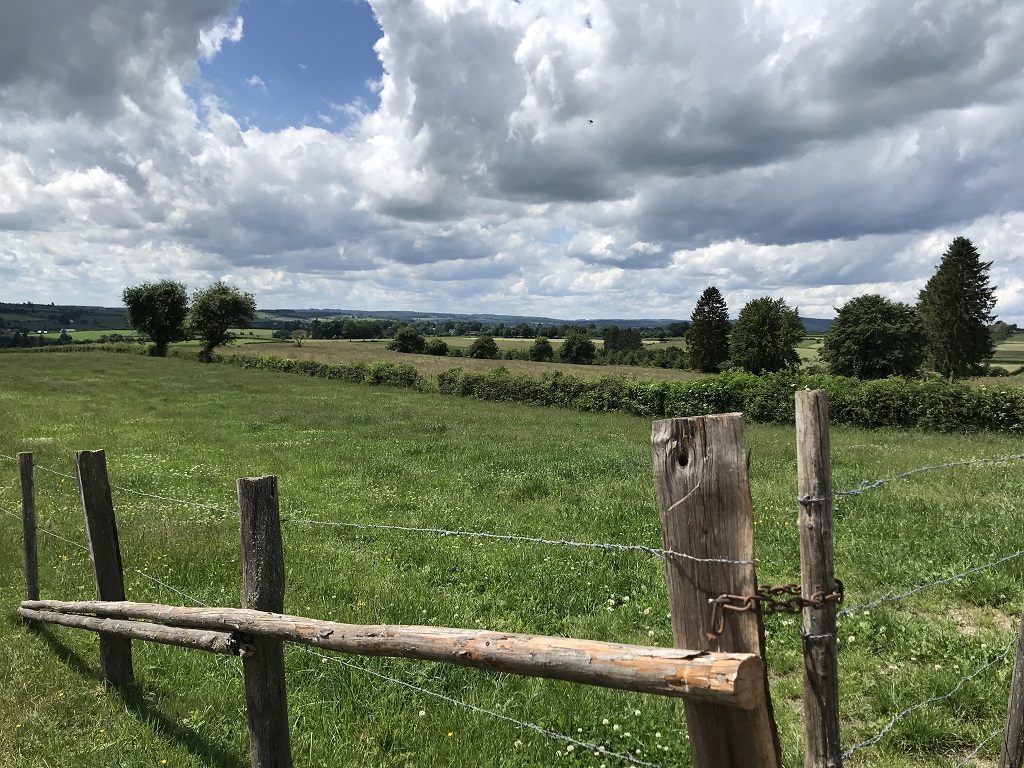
{"x": 263, "y": 590}
{"x": 105, "y": 553}
{"x": 701, "y": 477}
{"x": 817, "y": 576}
{"x": 1012, "y": 755}
{"x": 28, "y": 524}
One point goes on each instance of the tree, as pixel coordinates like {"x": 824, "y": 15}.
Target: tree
{"x": 215, "y": 311}
{"x": 484, "y": 348}
{"x": 299, "y": 336}
{"x": 577, "y": 348}
{"x": 707, "y": 339}
{"x": 872, "y": 338}
{"x": 408, "y": 339}
{"x": 436, "y": 347}
{"x": 765, "y": 336}
{"x": 541, "y": 350}
{"x": 956, "y": 307}
{"x": 158, "y": 310}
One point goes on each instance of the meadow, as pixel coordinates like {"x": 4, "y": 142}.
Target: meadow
{"x": 354, "y": 453}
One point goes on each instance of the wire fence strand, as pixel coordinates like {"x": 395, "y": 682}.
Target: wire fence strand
{"x": 891, "y": 598}
{"x": 930, "y": 700}
{"x": 655, "y": 551}
{"x": 554, "y": 735}
{"x": 974, "y": 752}
{"x": 870, "y": 485}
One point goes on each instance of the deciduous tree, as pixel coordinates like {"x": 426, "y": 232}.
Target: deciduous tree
{"x": 408, "y": 339}
{"x": 215, "y": 310}
{"x": 577, "y": 348}
{"x": 158, "y": 310}
{"x": 872, "y": 338}
{"x": 541, "y": 350}
{"x": 765, "y": 336}
{"x": 707, "y": 339}
{"x": 956, "y": 307}
{"x": 484, "y": 348}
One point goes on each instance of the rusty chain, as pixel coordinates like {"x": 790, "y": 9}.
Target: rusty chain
{"x": 785, "y": 598}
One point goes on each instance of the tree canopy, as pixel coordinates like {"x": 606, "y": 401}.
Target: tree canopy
{"x": 484, "y": 348}
{"x": 215, "y": 310}
{"x": 707, "y": 339}
{"x": 541, "y": 350}
{"x": 765, "y": 336}
{"x": 956, "y": 308}
{"x": 577, "y": 348}
{"x": 408, "y": 339}
{"x": 158, "y": 310}
{"x": 872, "y": 338}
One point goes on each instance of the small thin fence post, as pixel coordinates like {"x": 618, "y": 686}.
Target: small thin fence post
{"x": 817, "y": 573}
{"x": 263, "y": 590}
{"x": 28, "y": 524}
{"x": 703, "y": 487}
{"x": 1012, "y": 755}
{"x": 105, "y": 553}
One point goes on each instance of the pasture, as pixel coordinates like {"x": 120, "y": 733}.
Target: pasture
{"x": 177, "y": 429}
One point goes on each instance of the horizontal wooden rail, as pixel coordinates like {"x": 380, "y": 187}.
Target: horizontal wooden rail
{"x": 201, "y": 639}
{"x": 732, "y": 679}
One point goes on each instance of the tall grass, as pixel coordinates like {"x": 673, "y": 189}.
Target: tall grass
{"x": 354, "y": 453}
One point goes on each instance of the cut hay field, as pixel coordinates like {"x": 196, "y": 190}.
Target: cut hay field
{"x": 181, "y": 430}
{"x": 371, "y": 351}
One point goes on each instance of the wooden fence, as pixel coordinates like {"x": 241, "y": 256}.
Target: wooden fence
{"x": 717, "y": 665}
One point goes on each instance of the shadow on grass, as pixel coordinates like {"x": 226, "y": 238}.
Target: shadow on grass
{"x": 134, "y": 699}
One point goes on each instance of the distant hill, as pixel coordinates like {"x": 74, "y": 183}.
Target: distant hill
{"x": 55, "y": 317}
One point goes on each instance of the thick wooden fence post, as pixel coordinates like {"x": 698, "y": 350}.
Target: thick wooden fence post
{"x": 817, "y": 575}
{"x": 701, "y": 477}
{"x": 1013, "y": 735}
{"x": 105, "y": 553}
{"x": 28, "y": 524}
{"x": 263, "y": 590}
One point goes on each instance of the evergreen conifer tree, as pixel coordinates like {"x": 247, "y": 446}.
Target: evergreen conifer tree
{"x": 955, "y": 307}
{"x": 707, "y": 340}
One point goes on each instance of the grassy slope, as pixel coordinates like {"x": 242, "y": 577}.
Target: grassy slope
{"x": 354, "y": 453}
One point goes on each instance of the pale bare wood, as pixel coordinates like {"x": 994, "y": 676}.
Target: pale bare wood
{"x": 199, "y": 639}
{"x": 703, "y": 488}
{"x": 729, "y": 679}
{"x": 266, "y": 697}
{"x": 1012, "y": 754}
{"x": 28, "y": 525}
{"x": 817, "y": 575}
{"x": 105, "y": 553}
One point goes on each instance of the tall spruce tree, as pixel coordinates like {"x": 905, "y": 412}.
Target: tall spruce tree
{"x": 955, "y": 307}
{"x": 707, "y": 340}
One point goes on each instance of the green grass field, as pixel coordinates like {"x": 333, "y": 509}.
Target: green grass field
{"x": 178, "y": 429}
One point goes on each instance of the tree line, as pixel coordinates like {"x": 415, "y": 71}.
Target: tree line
{"x": 949, "y": 331}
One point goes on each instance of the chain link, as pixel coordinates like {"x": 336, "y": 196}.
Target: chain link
{"x": 784, "y": 598}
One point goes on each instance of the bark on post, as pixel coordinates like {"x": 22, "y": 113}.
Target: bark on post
{"x": 701, "y": 477}
{"x": 28, "y": 524}
{"x": 263, "y": 590}
{"x": 817, "y": 576}
{"x": 105, "y": 553}
{"x": 1013, "y": 735}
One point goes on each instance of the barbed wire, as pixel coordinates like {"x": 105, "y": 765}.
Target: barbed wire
{"x": 869, "y": 485}
{"x": 555, "y": 735}
{"x": 657, "y": 552}
{"x": 974, "y": 752}
{"x": 890, "y": 597}
{"x": 211, "y": 507}
{"x": 930, "y": 700}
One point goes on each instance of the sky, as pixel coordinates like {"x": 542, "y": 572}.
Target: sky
{"x": 562, "y": 158}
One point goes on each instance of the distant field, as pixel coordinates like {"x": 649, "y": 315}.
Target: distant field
{"x": 342, "y": 351}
